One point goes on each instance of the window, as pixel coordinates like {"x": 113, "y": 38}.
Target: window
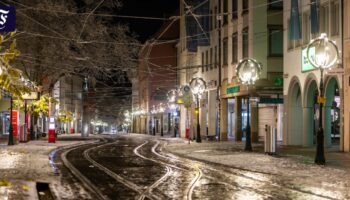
{"x": 290, "y": 42}
{"x": 225, "y": 14}
{"x": 216, "y": 57}
{"x": 335, "y": 17}
{"x": 306, "y": 28}
{"x": 234, "y": 48}
{"x": 225, "y": 51}
{"x": 202, "y": 61}
{"x": 215, "y": 16}
{"x": 211, "y": 58}
{"x": 234, "y": 9}
{"x": 276, "y": 41}
{"x": 245, "y": 5}
{"x": 206, "y": 60}
{"x": 211, "y": 21}
{"x": 245, "y": 43}
{"x": 324, "y": 18}
{"x": 275, "y": 4}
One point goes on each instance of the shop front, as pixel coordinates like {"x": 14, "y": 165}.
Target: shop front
{"x": 265, "y": 108}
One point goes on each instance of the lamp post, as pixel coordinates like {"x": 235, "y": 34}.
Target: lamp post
{"x": 198, "y": 87}
{"x": 322, "y": 53}
{"x": 248, "y": 71}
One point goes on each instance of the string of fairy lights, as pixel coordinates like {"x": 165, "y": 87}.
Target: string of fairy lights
{"x": 166, "y": 71}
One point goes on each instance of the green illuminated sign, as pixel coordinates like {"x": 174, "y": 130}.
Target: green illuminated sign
{"x": 278, "y": 81}
{"x": 305, "y": 64}
{"x": 266, "y": 100}
{"x": 232, "y": 90}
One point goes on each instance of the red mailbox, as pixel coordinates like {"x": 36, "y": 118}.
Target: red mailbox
{"x": 52, "y": 136}
{"x": 187, "y": 133}
{"x": 71, "y": 130}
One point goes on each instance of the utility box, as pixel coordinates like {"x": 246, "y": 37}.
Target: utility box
{"x": 23, "y": 136}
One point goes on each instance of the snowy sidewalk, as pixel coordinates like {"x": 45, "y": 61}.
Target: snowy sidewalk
{"x": 24, "y": 164}
{"x": 292, "y": 163}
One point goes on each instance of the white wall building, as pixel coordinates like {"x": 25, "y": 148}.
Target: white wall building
{"x": 245, "y": 29}
{"x": 301, "y": 80}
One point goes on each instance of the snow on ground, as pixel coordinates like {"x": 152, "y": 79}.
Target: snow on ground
{"x": 24, "y": 164}
{"x": 296, "y": 170}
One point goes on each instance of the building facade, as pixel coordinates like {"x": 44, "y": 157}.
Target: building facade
{"x": 237, "y": 30}
{"x": 302, "y": 80}
{"x": 346, "y": 78}
{"x": 68, "y": 91}
{"x": 156, "y": 76}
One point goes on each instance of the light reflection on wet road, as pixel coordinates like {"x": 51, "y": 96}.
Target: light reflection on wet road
{"x": 144, "y": 171}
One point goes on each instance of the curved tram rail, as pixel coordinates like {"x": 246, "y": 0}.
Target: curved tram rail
{"x": 174, "y": 168}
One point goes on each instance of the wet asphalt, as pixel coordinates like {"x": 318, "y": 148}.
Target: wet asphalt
{"x": 138, "y": 167}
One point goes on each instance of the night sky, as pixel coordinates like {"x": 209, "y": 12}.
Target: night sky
{"x": 145, "y": 28}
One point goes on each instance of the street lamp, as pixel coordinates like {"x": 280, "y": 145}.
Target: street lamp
{"x": 322, "y": 53}
{"x": 198, "y": 87}
{"x": 248, "y": 71}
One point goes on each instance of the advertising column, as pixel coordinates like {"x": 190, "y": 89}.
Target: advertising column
{"x": 15, "y": 124}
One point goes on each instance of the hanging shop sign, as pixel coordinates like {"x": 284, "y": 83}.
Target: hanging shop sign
{"x": 305, "y": 64}
{"x": 232, "y": 90}
{"x": 267, "y": 100}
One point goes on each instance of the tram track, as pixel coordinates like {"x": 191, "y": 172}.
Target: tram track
{"x": 85, "y": 181}
{"x": 91, "y": 183}
{"x": 199, "y": 177}
{"x": 229, "y": 173}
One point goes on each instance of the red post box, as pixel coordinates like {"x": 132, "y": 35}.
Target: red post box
{"x": 71, "y": 130}
{"x": 187, "y": 133}
{"x": 52, "y": 136}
